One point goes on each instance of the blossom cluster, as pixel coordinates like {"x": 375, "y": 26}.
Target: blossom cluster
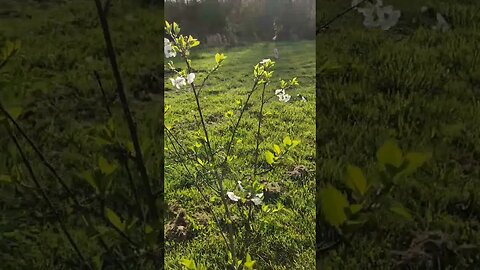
{"x": 256, "y": 199}
{"x": 168, "y": 48}
{"x": 376, "y": 15}
{"x": 179, "y": 81}
{"x": 280, "y": 93}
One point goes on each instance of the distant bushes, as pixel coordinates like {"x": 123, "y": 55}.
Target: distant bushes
{"x": 244, "y": 20}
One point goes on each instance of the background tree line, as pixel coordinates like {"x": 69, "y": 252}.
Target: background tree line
{"x": 238, "y": 21}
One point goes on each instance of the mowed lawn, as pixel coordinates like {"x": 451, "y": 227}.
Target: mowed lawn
{"x": 288, "y": 242}
{"x": 421, "y": 87}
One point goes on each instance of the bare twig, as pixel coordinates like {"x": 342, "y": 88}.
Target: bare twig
{"x": 197, "y": 100}
{"x": 234, "y": 132}
{"x": 202, "y": 119}
{"x": 258, "y": 135}
{"x": 338, "y": 16}
{"x": 40, "y": 155}
{"x": 104, "y": 96}
{"x": 134, "y": 187}
{"x": 209, "y": 208}
{"x": 206, "y": 78}
{"x": 45, "y": 197}
{"x": 181, "y": 157}
{"x": 128, "y": 115}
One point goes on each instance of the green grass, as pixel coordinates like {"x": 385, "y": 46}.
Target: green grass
{"x": 288, "y": 243}
{"x": 416, "y": 85}
{"x": 52, "y": 79}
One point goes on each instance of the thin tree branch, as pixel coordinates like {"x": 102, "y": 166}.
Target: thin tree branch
{"x": 338, "y": 16}
{"x": 199, "y": 108}
{"x": 258, "y": 135}
{"x": 45, "y": 197}
{"x": 126, "y": 109}
{"x": 217, "y": 220}
{"x": 202, "y": 119}
{"x": 206, "y": 78}
{"x": 234, "y": 132}
{"x": 171, "y": 137}
{"x": 133, "y": 186}
{"x": 104, "y": 96}
{"x": 40, "y": 155}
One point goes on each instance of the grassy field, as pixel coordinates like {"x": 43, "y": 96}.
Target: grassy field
{"x": 51, "y": 77}
{"x": 411, "y": 83}
{"x": 288, "y": 241}
{"x": 418, "y": 86}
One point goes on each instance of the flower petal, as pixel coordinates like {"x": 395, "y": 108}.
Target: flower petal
{"x": 232, "y": 196}
{"x": 190, "y": 78}
{"x": 257, "y": 201}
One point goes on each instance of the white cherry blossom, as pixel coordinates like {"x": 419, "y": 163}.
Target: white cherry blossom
{"x": 190, "y": 78}
{"x": 168, "y": 48}
{"x": 232, "y": 196}
{"x": 178, "y": 82}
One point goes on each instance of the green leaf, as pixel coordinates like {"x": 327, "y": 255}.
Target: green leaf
{"x": 390, "y": 154}
{"x": 192, "y": 42}
{"x": 355, "y": 208}
{"x": 294, "y": 82}
{"x": 189, "y": 264}
{"x": 5, "y": 179}
{"x": 15, "y": 112}
{"x": 229, "y": 114}
{"x": 414, "y": 161}
{"x": 106, "y": 167}
{"x": 87, "y": 176}
{"x": 354, "y": 225}
{"x": 333, "y": 204}
{"x": 114, "y": 219}
{"x": 356, "y": 180}
{"x": 97, "y": 261}
{"x": 295, "y": 143}
{"x": 248, "y": 263}
{"x": 230, "y": 258}
{"x": 181, "y": 41}
{"x": 168, "y": 27}
{"x": 148, "y": 229}
{"x": 400, "y": 210}
{"x": 131, "y": 223}
{"x": 130, "y": 147}
{"x": 219, "y": 58}
{"x": 100, "y": 141}
{"x": 287, "y": 141}
{"x": 9, "y": 49}
{"x": 277, "y": 149}
{"x": 269, "y": 157}
{"x": 176, "y": 28}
